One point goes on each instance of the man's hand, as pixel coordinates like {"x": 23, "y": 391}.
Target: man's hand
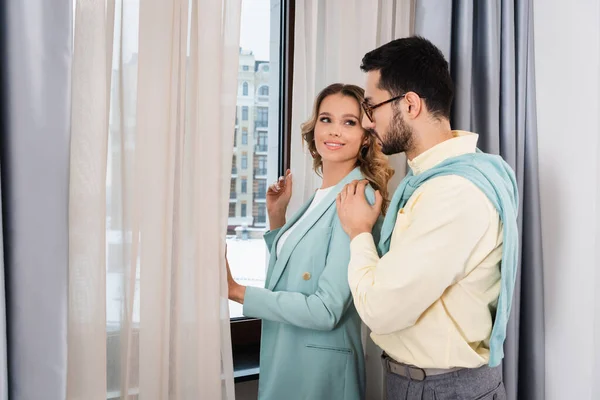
{"x": 356, "y": 214}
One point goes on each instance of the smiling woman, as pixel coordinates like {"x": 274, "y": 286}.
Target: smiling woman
{"x": 334, "y": 133}
{"x": 311, "y": 344}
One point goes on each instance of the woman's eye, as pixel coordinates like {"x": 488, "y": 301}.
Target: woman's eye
{"x": 325, "y": 119}
{"x": 351, "y": 122}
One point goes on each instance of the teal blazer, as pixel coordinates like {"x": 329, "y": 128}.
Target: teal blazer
{"x": 311, "y": 346}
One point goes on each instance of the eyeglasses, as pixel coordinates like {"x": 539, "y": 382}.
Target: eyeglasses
{"x": 368, "y": 109}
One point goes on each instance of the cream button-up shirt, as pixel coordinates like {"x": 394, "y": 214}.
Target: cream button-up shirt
{"x": 431, "y": 299}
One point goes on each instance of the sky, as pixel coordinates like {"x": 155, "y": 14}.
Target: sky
{"x": 256, "y": 27}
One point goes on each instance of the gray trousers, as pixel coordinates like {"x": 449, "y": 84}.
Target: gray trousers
{"x": 482, "y": 383}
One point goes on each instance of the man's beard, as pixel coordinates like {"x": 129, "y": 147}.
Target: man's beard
{"x": 399, "y": 137}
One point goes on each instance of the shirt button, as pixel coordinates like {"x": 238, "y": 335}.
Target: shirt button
{"x": 306, "y": 276}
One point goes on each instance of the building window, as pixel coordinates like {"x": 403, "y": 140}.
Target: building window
{"x": 262, "y": 117}
{"x": 244, "y": 135}
{"x": 231, "y": 210}
{"x": 245, "y": 89}
{"x": 244, "y": 185}
{"x": 245, "y": 113}
{"x": 244, "y": 161}
{"x": 232, "y": 192}
{"x": 265, "y": 67}
{"x": 235, "y": 138}
{"x": 261, "y": 192}
{"x": 246, "y": 68}
{"x": 261, "y": 217}
{"x": 244, "y": 205}
{"x": 263, "y": 90}
{"x": 262, "y": 142}
{"x": 261, "y": 166}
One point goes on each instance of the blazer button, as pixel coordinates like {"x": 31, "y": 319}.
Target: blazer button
{"x": 306, "y": 276}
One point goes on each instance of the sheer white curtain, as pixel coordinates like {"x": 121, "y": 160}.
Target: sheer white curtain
{"x": 153, "y": 90}
{"x": 331, "y": 38}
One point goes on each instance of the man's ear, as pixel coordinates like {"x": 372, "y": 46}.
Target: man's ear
{"x": 414, "y": 105}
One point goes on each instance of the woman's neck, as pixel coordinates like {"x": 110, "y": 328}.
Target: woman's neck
{"x": 334, "y": 172}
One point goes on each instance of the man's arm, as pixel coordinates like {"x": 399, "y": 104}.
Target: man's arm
{"x": 429, "y": 253}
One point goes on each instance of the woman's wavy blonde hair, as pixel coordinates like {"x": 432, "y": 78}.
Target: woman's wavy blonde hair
{"x": 372, "y": 162}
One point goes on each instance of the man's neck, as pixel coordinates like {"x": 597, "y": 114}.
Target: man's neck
{"x": 429, "y": 136}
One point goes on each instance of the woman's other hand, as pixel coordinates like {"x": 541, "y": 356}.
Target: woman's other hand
{"x": 278, "y": 198}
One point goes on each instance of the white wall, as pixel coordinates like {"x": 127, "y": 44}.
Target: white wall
{"x": 567, "y": 44}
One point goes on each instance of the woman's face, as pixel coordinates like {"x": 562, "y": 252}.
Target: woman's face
{"x": 339, "y": 135}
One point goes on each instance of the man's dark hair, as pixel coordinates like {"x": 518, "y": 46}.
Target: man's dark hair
{"x": 413, "y": 64}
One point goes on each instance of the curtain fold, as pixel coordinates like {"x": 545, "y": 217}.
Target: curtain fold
{"x": 490, "y": 49}
{"x": 90, "y": 79}
{"x": 151, "y": 194}
{"x": 3, "y": 133}
{"x": 37, "y": 48}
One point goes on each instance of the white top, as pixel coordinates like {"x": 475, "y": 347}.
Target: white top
{"x": 319, "y": 196}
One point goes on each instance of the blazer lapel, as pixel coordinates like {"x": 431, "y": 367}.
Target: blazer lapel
{"x": 304, "y": 226}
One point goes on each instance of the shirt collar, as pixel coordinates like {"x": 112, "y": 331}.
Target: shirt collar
{"x": 462, "y": 143}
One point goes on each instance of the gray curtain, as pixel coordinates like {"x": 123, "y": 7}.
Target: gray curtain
{"x": 489, "y": 44}
{"x": 3, "y": 343}
{"x": 36, "y": 51}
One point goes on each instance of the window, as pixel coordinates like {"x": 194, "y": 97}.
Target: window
{"x": 232, "y": 193}
{"x": 261, "y": 192}
{"x": 261, "y": 165}
{"x": 244, "y": 135}
{"x": 265, "y": 37}
{"x": 262, "y": 117}
{"x": 261, "y": 216}
{"x": 263, "y": 90}
{"x": 235, "y": 138}
{"x": 245, "y": 89}
{"x": 262, "y": 142}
